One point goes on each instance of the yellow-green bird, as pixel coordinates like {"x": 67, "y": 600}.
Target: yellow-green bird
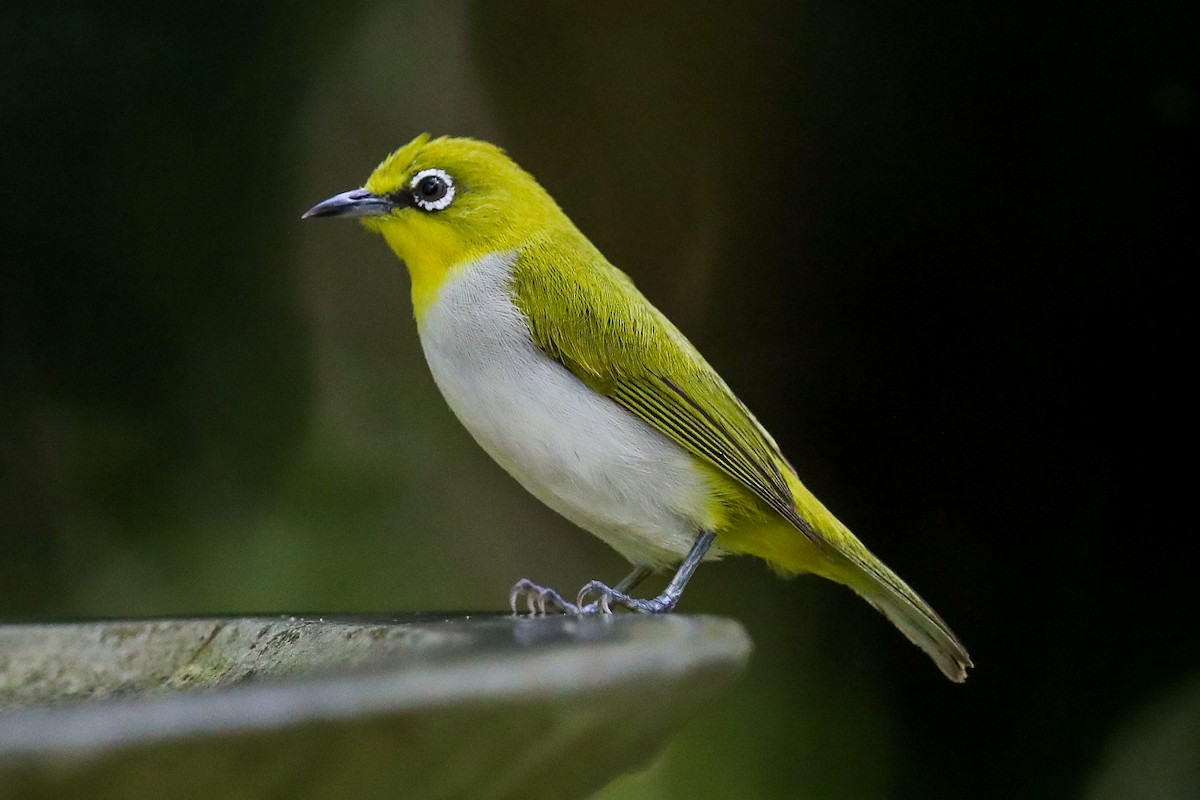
{"x": 586, "y": 394}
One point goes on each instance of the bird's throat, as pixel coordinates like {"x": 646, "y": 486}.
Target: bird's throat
{"x": 430, "y": 257}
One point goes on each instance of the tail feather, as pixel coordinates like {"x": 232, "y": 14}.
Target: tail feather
{"x": 841, "y": 557}
{"x": 884, "y": 590}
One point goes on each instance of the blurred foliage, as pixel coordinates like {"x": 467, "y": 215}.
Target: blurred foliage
{"x": 940, "y": 250}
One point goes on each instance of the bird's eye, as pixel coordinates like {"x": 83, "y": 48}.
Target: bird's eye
{"x": 432, "y": 189}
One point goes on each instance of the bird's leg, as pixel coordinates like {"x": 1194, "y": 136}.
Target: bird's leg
{"x": 665, "y": 601}
{"x": 538, "y": 599}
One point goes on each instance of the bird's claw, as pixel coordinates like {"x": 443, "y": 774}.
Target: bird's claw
{"x": 606, "y": 595}
{"x": 539, "y": 599}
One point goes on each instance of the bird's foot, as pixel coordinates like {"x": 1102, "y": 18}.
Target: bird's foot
{"x": 540, "y": 599}
{"x": 607, "y": 595}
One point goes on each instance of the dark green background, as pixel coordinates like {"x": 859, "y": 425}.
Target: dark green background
{"x": 940, "y": 249}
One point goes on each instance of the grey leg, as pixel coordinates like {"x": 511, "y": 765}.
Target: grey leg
{"x": 633, "y": 579}
{"x": 670, "y": 596}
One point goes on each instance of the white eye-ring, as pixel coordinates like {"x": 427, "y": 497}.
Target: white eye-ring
{"x": 432, "y": 189}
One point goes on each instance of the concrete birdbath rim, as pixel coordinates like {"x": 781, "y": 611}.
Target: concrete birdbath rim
{"x": 209, "y": 676}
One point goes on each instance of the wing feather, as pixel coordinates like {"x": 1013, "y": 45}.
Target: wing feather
{"x": 605, "y": 332}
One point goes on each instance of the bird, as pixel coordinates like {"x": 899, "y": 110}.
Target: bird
{"x": 582, "y": 390}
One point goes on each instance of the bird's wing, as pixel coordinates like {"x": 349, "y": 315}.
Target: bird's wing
{"x": 605, "y": 332}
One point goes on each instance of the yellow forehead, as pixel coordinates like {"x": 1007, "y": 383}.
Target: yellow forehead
{"x": 473, "y": 164}
{"x": 394, "y": 171}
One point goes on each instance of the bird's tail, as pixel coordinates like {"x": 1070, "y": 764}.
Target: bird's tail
{"x": 884, "y": 590}
{"x": 841, "y": 557}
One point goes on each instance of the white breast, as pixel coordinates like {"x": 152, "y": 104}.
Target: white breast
{"x": 577, "y": 451}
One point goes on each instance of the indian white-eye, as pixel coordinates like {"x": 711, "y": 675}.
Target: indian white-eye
{"x": 586, "y": 394}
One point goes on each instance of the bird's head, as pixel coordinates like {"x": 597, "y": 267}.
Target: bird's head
{"x": 443, "y": 203}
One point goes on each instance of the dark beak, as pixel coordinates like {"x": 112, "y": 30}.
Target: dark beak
{"x": 354, "y": 203}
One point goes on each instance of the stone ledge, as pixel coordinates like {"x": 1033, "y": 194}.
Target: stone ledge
{"x": 358, "y": 706}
